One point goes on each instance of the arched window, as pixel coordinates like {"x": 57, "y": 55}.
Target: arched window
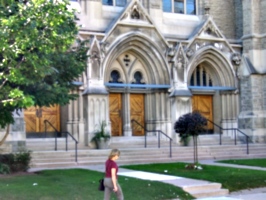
{"x": 180, "y": 6}
{"x": 138, "y": 78}
{"x": 115, "y": 76}
{"x": 201, "y": 77}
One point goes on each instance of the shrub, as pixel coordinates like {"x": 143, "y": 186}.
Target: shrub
{"x": 16, "y": 162}
{"x": 4, "y": 169}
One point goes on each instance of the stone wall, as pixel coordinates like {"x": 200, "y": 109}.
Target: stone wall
{"x": 245, "y": 94}
{"x": 252, "y": 119}
{"x": 252, "y": 92}
{"x": 223, "y": 13}
{"x": 239, "y": 19}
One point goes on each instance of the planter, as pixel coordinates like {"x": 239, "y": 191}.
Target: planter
{"x": 102, "y": 143}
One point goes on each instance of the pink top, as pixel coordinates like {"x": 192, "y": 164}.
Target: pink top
{"x": 109, "y": 164}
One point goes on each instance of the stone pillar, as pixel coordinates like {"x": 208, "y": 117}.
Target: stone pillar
{"x": 252, "y": 118}
{"x": 69, "y": 117}
{"x": 180, "y": 105}
{"x": 127, "y": 130}
{"x": 81, "y": 120}
{"x": 229, "y": 112}
{"x": 17, "y": 134}
{"x": 75, "y": 117}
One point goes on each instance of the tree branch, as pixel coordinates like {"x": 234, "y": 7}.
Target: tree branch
{"x": 3, "y": 83}
{"x": 5, "y": 136}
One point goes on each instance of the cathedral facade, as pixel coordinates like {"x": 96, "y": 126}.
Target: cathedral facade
{"x": 152, "y": 61}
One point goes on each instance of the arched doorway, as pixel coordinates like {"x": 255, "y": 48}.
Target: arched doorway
{"x": 127, "y": 103}
{"x": 142, "y": 69}
{"x": 203, "y": 102}
{"x": 212, "y": 83}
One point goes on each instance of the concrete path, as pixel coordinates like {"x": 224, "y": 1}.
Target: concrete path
{"x": 253, "y": 194}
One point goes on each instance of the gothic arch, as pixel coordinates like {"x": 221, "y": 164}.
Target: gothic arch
{"x": 147, "y": 51}
{"x": 218, "y": 66}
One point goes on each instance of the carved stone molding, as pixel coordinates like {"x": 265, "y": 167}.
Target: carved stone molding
{"x": 236, "y": 58}
{"x": 189, "y": 53}
{"x": 210, "y": 30}
{"x": 104, "y": 46}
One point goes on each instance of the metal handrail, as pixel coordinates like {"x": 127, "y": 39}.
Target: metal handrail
{"x": 235, "y": 132}
{"x": 66, "y": 133}
{"x": 159, "y": 134}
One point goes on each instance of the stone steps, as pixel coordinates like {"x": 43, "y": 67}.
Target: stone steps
{"x": 206, "y": 190}
{"x": 144, "y": 155}
{"x": 47, "y": 144}
{"x": 133, "y": 151}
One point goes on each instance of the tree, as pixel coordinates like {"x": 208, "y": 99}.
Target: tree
{"x": 191, "y": 124}
{"x": 39, "y": 55}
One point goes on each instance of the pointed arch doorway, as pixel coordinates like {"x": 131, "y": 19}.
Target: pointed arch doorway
{"x": 127, "y": 103}
{"x": 203, "y": 102}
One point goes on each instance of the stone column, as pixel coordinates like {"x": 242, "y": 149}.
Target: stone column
{"x": 179, "y": 106}
{"x": 17, "y": 133}
{"x": 127, "y": 130}
{"x": 81, "y": 120}
{"x": 69, "y": 117}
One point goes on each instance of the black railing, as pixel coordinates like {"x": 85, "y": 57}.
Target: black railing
{"x": 235, "y": 130}
{"x": 159, "y": 136}
{"x": 57, "y": 133}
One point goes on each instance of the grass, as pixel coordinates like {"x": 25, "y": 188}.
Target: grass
{"x": 261, "y": 162}
{"x": 233, "y": 179}
{"x": 79, "y": 184}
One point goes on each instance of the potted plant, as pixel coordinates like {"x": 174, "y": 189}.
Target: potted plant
{"x": 101, "y": 136}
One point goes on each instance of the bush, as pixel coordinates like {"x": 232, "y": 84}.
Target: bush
{"x": 16, "y": 162}
{"x": 4, "y": 169}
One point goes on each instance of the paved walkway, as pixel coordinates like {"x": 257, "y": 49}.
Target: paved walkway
{"x": 254, "y": 194}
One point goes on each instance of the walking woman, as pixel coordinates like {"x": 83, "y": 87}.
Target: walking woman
{"x": 110, "y": 180}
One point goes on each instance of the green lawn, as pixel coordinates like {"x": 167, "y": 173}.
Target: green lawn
{"x": 79, "y": 184}
{"x": 250, "y": 162}
{"x": 233, "y": 179}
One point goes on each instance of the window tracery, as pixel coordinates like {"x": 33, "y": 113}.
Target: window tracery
{"x": 201, "y": 77}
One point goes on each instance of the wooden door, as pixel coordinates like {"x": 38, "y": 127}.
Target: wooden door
{"x": 34, "y": 119}
{"x": 115, "y": 107}
{"x": 137, "y": 113}
{"x": 203, "y": 103}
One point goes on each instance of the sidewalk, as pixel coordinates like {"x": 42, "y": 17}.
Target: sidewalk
{"x": 253, "y": 194}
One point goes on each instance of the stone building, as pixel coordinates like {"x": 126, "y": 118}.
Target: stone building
{"x": 155, "y": 60}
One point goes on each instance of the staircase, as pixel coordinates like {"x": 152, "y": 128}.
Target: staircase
{"x": 206, "y": 190}
{"x": 133, "y": 152}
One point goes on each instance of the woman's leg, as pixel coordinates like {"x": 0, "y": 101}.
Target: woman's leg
{"x": 119, "y": 193}
{"x": 108, "y": 188}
